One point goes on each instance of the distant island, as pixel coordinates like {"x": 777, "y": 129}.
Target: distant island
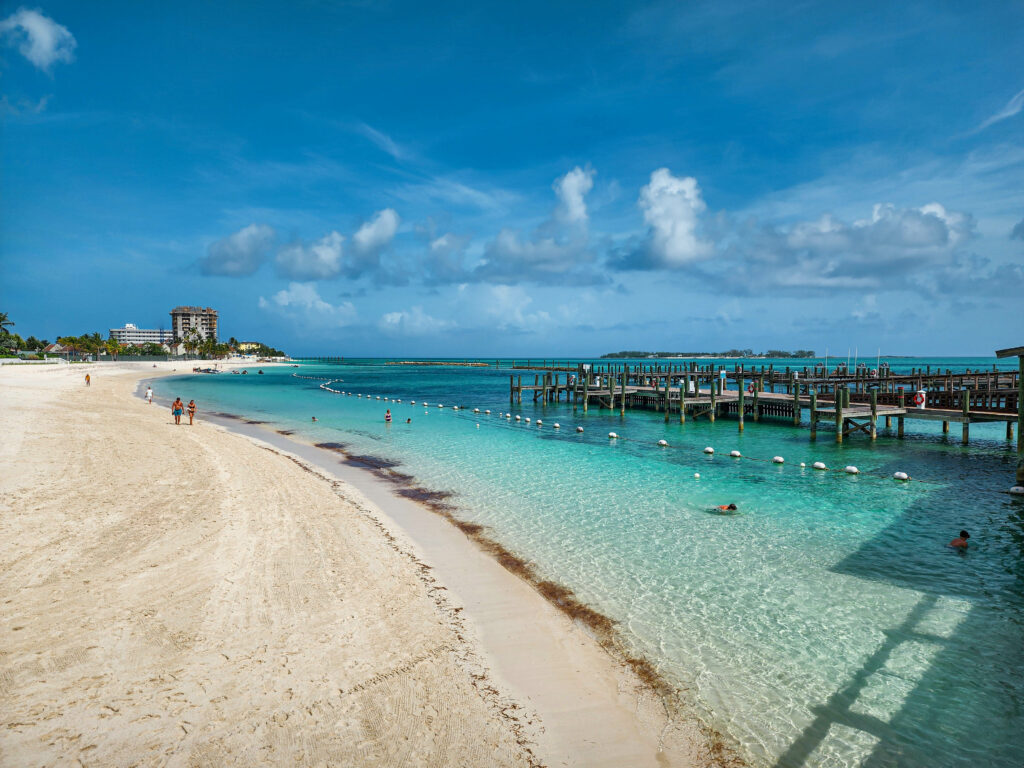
{"x": 740, "y": 353}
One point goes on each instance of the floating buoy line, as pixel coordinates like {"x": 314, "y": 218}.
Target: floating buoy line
{"x": 615, "y": 437}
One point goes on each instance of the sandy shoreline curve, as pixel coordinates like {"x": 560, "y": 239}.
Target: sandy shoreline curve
{"x": 179, "y": 595}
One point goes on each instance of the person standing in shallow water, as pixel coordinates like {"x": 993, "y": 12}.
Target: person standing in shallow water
{"x": 387, "y": 417}
{"x": 177, "y": 409}
{"x": 960, "y": 542}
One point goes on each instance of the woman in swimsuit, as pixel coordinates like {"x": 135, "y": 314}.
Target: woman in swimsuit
{"x": 191, "y": 411}
{"x": 387, "y": 417}
{"x": 177, "y": 409}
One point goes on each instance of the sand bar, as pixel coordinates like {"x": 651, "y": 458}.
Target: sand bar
{"x": 194, "y": 596}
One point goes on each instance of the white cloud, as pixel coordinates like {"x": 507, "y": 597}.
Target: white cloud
{"x": 39, "y": 38}
{"x": 672, "y": 208}
{"x": 319, "y": 261}
{"x": 302, "y": 301}
{"x": 572, "y": 190}
{"x": 412, "y": 322}
{"x": 377, "y": 233}
{"x": 383, "y": 142}
{"x": 239, "y": 254}
{"x": 1012, "y": 108}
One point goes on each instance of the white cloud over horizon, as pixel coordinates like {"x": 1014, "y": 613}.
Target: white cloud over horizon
{"x": 320, "y": 260}
{"x": 241, "y": 253}
{"x": 672, "y": 207}
{"x": 302, "y": 302}
{"x": 572, "y": 190}
{"x": 39, "y": 38}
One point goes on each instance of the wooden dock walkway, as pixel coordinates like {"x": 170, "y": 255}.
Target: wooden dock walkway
{"x": 852, "y": 401}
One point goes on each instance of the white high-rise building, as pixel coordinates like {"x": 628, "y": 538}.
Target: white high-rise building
{"x": 132, "y": 334}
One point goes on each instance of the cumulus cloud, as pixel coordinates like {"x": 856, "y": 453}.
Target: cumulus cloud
{"x": 572, "y": 190}
{"x": 557, "y": 251}
{"x": 319, "y": 261}
{"x": 672, "y": 208}
{"x": 39, "y": 38}
{"x": 239, "y": 254}
{"x": 1012, "y": 108}
{"x": 377, "y": 233}
{"x": 827, "y": 254}
{"x": 1017, "y": 233}
{"x": 412, "y": 322}
{"x": 302, "y": 302}
{"x": 445, "y": 259}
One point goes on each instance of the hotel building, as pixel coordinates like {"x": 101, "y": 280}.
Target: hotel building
{"x": 204, "y": 320}
{"x": 132, "y": 334}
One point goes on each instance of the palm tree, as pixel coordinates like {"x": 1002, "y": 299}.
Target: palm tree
{"x": 113, "y": 347}
{"x": 5, "y": 323}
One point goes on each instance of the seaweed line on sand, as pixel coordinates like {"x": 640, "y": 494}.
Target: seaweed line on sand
{"x": 602, "y": 628}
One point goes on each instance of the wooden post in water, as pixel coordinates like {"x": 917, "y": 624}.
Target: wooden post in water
{"x": 814, "y": 414}
{"x": 611, "y": 390}
{"x": 683, "y": 386}
{"x": 757, "y": 399}
{"x": 519, "y": 389}
{"x": 511, "y": 390}
{"x": 965, "y": 396}
{"x": 840, "y": 397}
{"x": 622, "y": 392}
{"x": 714, "y": 401}
{"x": 586, "y": 390}
{"x": 739, "y": 400}
{"x": 874, "y": 414}
{"x": 796, "y": 401}
{"x": 899, "y": 419}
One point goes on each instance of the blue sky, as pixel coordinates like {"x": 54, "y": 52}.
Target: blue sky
{"x": 519, "y": 179}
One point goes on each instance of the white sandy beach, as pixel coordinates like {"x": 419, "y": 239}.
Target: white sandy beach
{"x": 191, "y": 596}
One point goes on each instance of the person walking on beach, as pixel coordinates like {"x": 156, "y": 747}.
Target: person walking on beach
{"x": 88, "y": 380}
{"x": 191, "y": 411}
{"x": 149, "y": 395}
{"x": 387, "y": 417}
{"x": 177, "y": 408}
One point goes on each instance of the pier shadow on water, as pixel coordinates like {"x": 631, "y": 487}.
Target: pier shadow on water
{"x": 945, "y": 687}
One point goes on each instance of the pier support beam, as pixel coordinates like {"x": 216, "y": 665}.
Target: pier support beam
{"x": 965, "y": 397}
{"x": 740, "y": 406}
{"x": 899, "y": 419}
{"x": 714, "y": 401}
{"x": 874, "y": 414}
{"x": 839, "y": 415}
{"x": 796, "y": 401}
{"x": 814, "y": 414}
{"x": 683, "y": 386}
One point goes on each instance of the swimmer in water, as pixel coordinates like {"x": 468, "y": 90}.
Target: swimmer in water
{"x": 314, "y": 418}
{"x": 408, "y": 421}
{"x": 727, "y": 507}
{"x": 960, "y": 542}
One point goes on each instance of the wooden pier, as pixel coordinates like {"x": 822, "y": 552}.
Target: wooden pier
{"x": 852, "y": 400}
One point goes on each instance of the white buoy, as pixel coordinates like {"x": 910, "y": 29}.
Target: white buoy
{"x": 778, "y": 460}
{"x": 519, "y": 418}
{"x": 478, "y": 426}
{"x": 579, "y": 429}
{"x": 539, "y": 423}
{"x": 1017, "y": 490}
{"x": 378, "y": 397}
{"x": 709, "y": 449}
{"x": 802, "y": 464}
{"x": 697, "y": 475}
{"x": 663, "y": 443}
{"x": 851, "y": 470}
{"x": 440, "y": 406}
{"x": 413, "y": 403}
{"x": 398, "y": 400}
{"x": 487, "y": 412}
{"x": 455, "y": 407}
{"x": 735, "y": 454}
{"x": 612, "y": 435}
{"x": 476, "y": 410}
{"x": 556, "y": 425}
{"x": 509, "y": 416}
{"x": 900, "y": 476}
{"x": 819, "y": 465}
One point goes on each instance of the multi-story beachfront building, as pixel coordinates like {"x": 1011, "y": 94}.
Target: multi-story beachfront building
{"x": 184, "y": 319}
{"x": 132, "y": 334}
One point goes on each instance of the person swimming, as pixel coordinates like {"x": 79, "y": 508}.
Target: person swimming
{"x": 960, "y": 542}
{"x": 314, "y": 418}
{"x": 727, "y": 507}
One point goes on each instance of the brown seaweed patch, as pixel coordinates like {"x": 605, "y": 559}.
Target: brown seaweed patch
{"x": 286, "y": 431}
{"x": 227, "y": 415}
{"x": 436, "y": 500}
{"x": 338, "y": 447}
{"x": 255, "y": 421}
{"x": 365, "y": 461}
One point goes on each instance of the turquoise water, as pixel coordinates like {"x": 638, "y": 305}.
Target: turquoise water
{"x": 827, "y": 624}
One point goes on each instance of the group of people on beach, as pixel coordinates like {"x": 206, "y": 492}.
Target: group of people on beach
{"x": 178, "y": 407}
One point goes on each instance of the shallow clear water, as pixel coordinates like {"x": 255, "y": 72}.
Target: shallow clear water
{"x": 827, "y": 623}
